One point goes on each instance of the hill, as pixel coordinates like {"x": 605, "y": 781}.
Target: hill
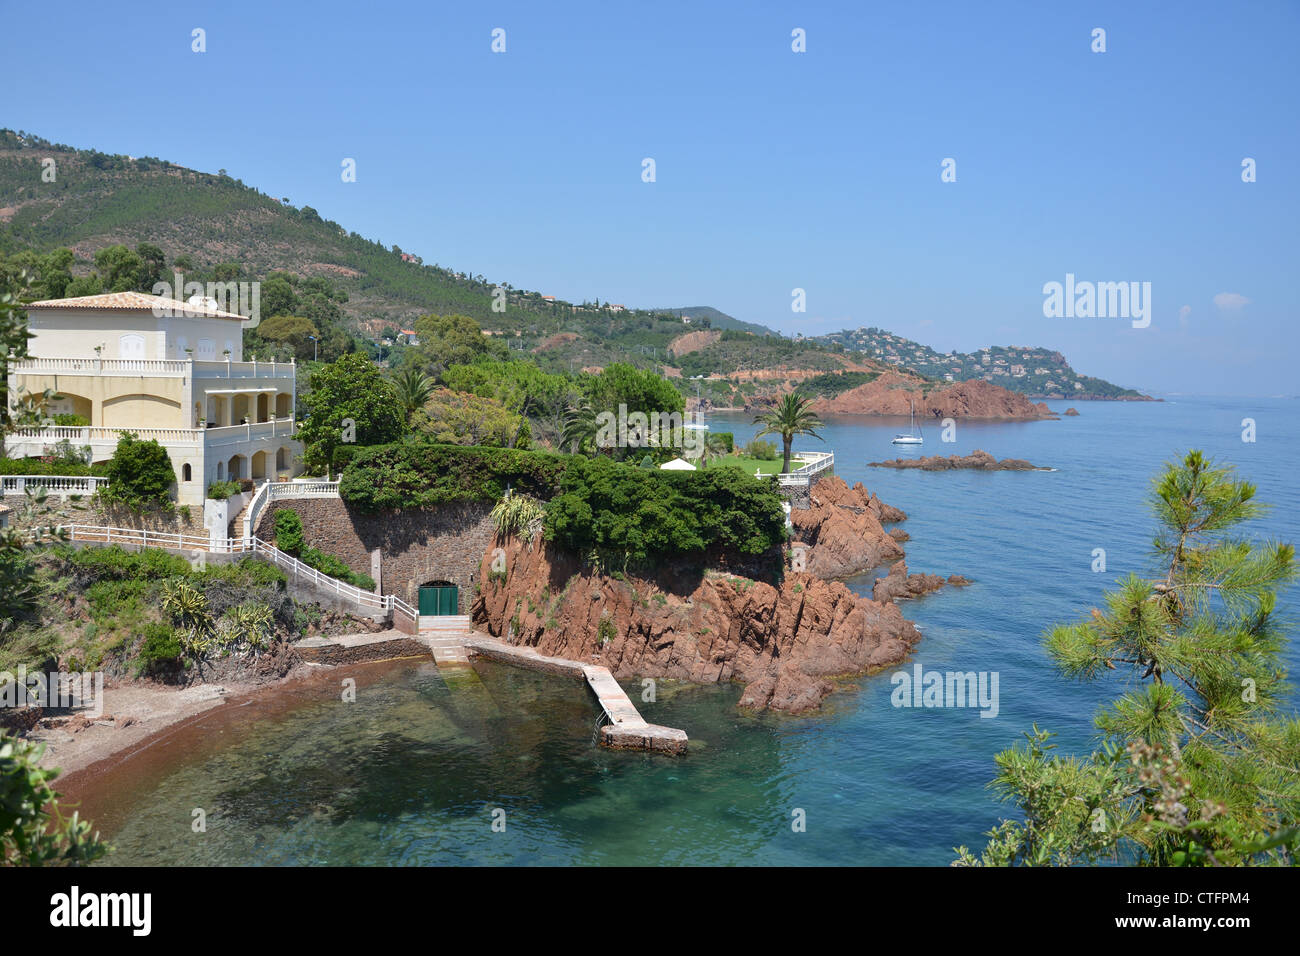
{"x": 719, "y": 320}
{"x": 1029, "y": 370}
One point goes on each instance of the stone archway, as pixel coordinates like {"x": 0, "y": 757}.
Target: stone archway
{"x": 258, "y": 465}
{"x": 235, "y": 467}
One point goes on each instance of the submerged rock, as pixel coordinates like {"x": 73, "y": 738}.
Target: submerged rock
{"x": 978, "y": 460}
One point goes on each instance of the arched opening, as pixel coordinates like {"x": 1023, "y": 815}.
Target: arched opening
{"x": 235, "y": 467}
{"x": 66, "y": 403}
{"x": 439, "y": 598}
{"x": 264, "y": 407}
{"x": 259, "y": 465}
{"x": 240, "y": 409}
{"x": 221, "y": 471}
{"x": 186, "y": 472}
{"x": 283, "y": 405}
{"x": 141, "y": 411}
{"x": 282, "y": 459}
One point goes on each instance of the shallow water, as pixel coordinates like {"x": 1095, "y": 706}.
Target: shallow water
{"x": 412, "y": 771}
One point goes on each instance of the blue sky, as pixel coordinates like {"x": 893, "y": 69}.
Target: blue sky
{"x": 774, "y": 170}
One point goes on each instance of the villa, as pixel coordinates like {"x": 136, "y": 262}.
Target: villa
{"x": 165, "y": 370}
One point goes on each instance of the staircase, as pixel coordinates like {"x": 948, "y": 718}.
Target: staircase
{"x": 445, "y": 635}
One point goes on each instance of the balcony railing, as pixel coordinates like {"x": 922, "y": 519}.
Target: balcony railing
{"x": 58, "y": 485}
{"x": 152, "y": 368}
{"x": 89, "y": 434}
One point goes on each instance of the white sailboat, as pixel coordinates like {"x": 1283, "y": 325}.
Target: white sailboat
{"x": 913, "y": 437}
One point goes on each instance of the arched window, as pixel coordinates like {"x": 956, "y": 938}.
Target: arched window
{"x": 185, "y": 472}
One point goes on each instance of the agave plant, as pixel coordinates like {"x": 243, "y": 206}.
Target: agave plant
{"x": 189, "y": 609}
{"x": 520, "y": 515}
{"x": 248, "y": 624}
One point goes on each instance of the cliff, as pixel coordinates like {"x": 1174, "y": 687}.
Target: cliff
{"x": 783, "y": 641}
{"x": 893, "y": 394}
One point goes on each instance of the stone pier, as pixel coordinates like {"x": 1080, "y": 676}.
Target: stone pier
{"x": 626, "y": 730}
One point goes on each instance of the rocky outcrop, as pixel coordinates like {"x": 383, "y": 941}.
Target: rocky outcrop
{"x": 894, "y": 393}
{"x": 899, "y": 584}
{"x": 843, "y": 530}
{"x": 693, "y": 342}
{"x": 977, "y": 460}
{"x": 1071, "y": 413}
{"x": 784, "y": 643}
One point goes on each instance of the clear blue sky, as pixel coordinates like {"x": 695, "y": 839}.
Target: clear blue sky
{"x": 775, "y": 170}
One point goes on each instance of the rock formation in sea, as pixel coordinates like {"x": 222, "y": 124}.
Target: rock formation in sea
{"x": 978, "y": 460}
{"x": 1071, "y": 412}
{"x": 899, "y": 583}
{"x": 895, "y": 393}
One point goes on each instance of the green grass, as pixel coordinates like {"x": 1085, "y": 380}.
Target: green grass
{"x": 749, "y": 464}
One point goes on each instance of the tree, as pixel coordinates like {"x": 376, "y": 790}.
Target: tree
{"x": 350, "y": 402}
{"x": 153, "y": 261}
{"x": 1197, "y": 766}
{"x": 458, "y": 418}
{"x": 292, "y": 332}
{"x": 33, "y": 830}
{"x": 790, "y": 417}
{"x": 447, "y": 340}
{"x": 120, "y": 269}
{"x": 414, "y": 389}
{"x": 139, "y": 474}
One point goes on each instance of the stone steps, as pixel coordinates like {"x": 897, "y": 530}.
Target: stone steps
{"x": 445, "y": 635}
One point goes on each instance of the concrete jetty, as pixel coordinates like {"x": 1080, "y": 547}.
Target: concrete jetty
{"x": 626, "y": 730}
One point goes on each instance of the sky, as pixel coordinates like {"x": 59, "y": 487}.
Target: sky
{"x": 774, "y": 170}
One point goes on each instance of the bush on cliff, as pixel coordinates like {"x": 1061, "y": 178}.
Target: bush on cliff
{"x": 421, "y": 475}
{"x": 645, "y": 516}
{"x": 288, "y": 531}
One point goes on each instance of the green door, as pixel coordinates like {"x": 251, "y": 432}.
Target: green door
{"x": 439, "y": 600}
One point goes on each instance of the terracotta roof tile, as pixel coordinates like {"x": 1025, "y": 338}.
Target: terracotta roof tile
{"x": 134, "y": 302}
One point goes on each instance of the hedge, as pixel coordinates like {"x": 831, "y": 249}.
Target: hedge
{"x": 648, "y": 516}
{"x": 423, "y": 474}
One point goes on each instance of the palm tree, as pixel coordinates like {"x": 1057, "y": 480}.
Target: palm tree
{"x": 790, "y": 417}
{"x": 715, "y": 447}
{"x": 579, "y": 425}
{"x": 414, "y": 389}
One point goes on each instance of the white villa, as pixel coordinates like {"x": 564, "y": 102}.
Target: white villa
{"x": 163, "y": 369}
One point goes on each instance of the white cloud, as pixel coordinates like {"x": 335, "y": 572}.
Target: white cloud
{"x": 1231, "y": 301}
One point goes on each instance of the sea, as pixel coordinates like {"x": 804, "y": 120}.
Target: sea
{"x": 498, "y": 766}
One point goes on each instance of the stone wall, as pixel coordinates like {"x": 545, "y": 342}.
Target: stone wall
{"x": 416, "y": 547}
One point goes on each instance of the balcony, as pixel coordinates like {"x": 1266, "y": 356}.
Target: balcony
{"x": 153, "y": 368}
{"x": 33, "y": 441}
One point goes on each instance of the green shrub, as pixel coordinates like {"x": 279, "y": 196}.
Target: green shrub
{"x": 221, "y": 490}
{"x": 651, "y": 516}
{"x": 420, "y": 475}
{"x": 727, "y": 439}
{"x": 288, "y": 531}
{"x": 114, "y": 564}
{"x": 69, "y": 420}
{"x": 50, "y": 466}
{"x": 160, "y": 651}
{"x": 762, "y": 450}
{"x": 328, "y": 564}
{"x": 139, "y": 473}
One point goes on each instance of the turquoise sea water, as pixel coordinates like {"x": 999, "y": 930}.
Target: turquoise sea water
{"x": 412, "y": 771}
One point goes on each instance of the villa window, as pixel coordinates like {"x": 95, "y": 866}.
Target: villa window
{"x": 186, "y": 473}
{"x": 207, "y": 350}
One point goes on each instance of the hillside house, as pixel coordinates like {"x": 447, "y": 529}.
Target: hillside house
{"x": 165, "y": 370}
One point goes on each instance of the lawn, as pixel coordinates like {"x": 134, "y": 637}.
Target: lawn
{"x": 772, "y": 467}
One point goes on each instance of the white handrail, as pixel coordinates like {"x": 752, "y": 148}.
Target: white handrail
{"x": 100, "y": 534}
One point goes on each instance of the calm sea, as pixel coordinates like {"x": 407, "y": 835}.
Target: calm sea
{"x": 416, "y": 771}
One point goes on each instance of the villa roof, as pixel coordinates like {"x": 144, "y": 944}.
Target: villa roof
{"x": 135, "y": 302}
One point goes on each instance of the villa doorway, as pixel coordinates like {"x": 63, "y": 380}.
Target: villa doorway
{"x": 439, "y": 598}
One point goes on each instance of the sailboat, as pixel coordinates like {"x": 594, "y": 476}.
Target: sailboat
{"x": 913, "y": 437}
